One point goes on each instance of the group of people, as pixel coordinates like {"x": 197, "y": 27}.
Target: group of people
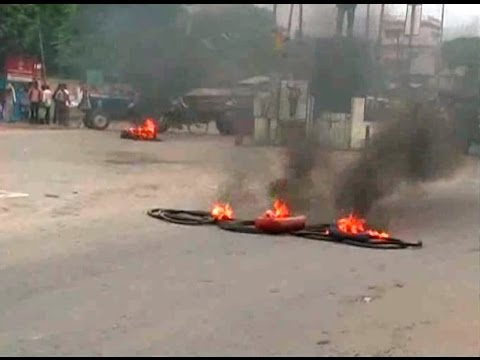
{"x": 35, "y": 97}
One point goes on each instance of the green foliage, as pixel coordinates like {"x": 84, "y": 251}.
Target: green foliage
{"x": 240, "y": 38}
{"x": 465, "y": 52}
{"x": 148, "y": 45}
{"x": 20, "y": 24}
{"x": 151, "y": 45}
{"x": 462, "y": 52}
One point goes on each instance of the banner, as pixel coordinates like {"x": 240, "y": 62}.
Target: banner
{"x": 22, "y": 68}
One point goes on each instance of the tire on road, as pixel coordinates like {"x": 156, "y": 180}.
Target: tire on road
{"x": 224, "y": 125}
{"x": 99, "y": 120}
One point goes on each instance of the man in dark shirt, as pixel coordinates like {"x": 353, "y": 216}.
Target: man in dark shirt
{"x": 341, "y": 10}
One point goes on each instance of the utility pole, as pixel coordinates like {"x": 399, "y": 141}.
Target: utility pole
{"x": 410, "y": 43}
{"x": 290, "y": 16}
{"x": 441, "y": 23}
{"x": 275, "y": 15}
{"x": 367, "y": 23}
{"x": 378, "y": 47}
{"x": 300, "y": 20}
{"x": 42, "y": 55}
{"x": 380, "y": 26}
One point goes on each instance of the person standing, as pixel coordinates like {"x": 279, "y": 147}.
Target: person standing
{"x": 294, "y": 94}
{"x": 349, "y": 9}
{"x": 61, "y": 105}
{"x": 10, "y": 100}
{"x": 24, "y": 103}
{"x": 47, "y": 102}
{"x": 35, "y": 97}
{"x": 55, "y": 104}
{"x": 85, "y": 104}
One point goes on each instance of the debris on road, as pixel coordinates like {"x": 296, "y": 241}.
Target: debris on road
{"x": 8, "y": 194}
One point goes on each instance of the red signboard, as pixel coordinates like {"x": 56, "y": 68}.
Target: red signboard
{"x": 25, "y": 67}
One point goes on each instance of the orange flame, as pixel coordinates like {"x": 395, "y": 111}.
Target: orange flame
{"x": 280, "y": 210}
{"x": 146, "y": 131}
{"x": 222, "y": 211}
{"x": 354, "y": 225}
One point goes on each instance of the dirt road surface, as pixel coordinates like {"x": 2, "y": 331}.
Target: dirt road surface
{"x": 83, "y": 270}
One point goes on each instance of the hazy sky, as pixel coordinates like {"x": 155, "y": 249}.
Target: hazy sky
{"x": 454, "y": 13}
{"x": 319, "y": 19}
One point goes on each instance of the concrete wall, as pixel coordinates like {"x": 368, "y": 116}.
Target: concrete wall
{"x": 346, "y": 131}
{"x": 334, "y": 130}
{"x": 265, "y": 112}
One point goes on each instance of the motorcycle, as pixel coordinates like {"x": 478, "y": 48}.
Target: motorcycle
{"x": 179, "y": 115}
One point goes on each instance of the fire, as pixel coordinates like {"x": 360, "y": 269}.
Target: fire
{"x": 354, "y": 225}
{"x": 222, "y": 211}
{"x": 146, "y": 131}
{"x": 280, "y": 210}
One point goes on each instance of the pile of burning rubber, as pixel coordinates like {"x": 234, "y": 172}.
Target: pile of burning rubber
{"x": 147, "y": 131}
{"x": 350, "y": 230}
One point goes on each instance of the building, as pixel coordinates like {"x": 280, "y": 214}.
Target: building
{"x": 425, "y": 48}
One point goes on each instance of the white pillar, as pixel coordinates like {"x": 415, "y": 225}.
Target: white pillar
{"x": 358, "y": 125}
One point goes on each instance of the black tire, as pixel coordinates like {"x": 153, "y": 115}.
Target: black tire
{"x": 99, "y": 120}
{"x": 220, "y": 127}
{"x": 87, "y": 122}
{"x": 163, "y": 124}
{"x": 228, "y": 124}
{"x": 224, "y": 126}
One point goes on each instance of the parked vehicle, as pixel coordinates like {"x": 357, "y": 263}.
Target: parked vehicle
{"x": 180, "y": 114}
{"x": 104, "y": 108}
{"x": 212, "y": 105}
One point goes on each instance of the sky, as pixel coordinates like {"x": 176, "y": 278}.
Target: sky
{"x": 457, "y": 11}
{"x": 455, "y": 14}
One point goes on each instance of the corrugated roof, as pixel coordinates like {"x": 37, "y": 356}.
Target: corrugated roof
{"x": 256, "y": 80}
{"x": 210, "y": 92}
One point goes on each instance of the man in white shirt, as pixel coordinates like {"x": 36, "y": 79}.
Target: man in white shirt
{"x": 47, "y": 102}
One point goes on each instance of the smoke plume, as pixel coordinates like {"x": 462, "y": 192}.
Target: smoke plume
{"x": 417, "y": 146}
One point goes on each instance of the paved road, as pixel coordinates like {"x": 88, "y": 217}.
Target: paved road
{"x": 83, "y": 271}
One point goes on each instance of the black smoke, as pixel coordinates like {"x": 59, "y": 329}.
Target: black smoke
{"x": 418, "y": 145}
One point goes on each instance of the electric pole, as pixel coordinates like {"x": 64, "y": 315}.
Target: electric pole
{"x": 42, "y": 55}
{"x": 300, "y": 20}
{"x": 380, "y": 26}
{"x": 413, "y": 8}
{"x": 367, "y": 23}
{"x": 441, "y": 23}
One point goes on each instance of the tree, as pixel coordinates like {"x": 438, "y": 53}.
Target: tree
{"x": 20, "y": 24}
{"x": 151, "y": 45}
{"x": 465, "y": 52}
{"x": 240, "y": 37}
{"x": 462, "y": 52}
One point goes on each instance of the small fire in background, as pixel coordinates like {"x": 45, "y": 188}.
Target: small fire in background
{"x": 280, "y": 210}
{"x": 146, "y": 131}
{"x": 355, "y": 225}
{"x": 222, "y": 211}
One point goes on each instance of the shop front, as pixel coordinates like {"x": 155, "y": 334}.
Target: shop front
{"x": 19, "y": 71}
